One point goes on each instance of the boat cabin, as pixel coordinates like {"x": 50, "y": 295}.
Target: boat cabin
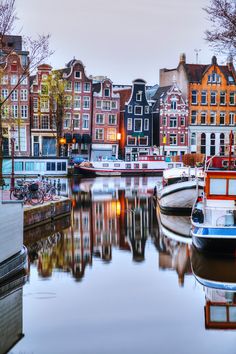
{"x": 220, "y": 185}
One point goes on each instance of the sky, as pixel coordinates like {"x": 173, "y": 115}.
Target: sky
{"x": 124, "y": 39}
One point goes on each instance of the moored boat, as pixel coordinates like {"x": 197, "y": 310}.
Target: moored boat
{"x": 144, "y": 166}
{"x": 214, "y": 215}
{"x": 180, "y": 189}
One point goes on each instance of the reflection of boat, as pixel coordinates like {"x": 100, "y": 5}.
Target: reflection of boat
{"x": 176, "y": 227}
{"x": 214, "y": 215}
{"x": 146, "y": 165}
{"x": 180, "y": 189}
{"x": 13, "y": 265}
{"x": 218, "y": 276}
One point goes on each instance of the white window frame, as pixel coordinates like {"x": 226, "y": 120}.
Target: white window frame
{"x": 146, "y": 124}
{"x": 141, "y": 129}
{"x": 135, "y": 109}
{"x": 129, "y": 124}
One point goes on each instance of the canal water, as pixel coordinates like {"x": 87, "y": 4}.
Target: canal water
{"x": 117, "y": 277}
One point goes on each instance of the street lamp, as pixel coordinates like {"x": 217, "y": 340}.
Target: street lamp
{"x": 12, "y": 134}
{"x": 62, "y": 142}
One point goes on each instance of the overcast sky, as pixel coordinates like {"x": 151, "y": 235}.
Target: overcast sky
{"x": 123, "y": 39}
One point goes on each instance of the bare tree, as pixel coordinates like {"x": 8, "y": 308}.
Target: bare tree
{"x": 38, "y": 50}
{"x": 222, "y": 16}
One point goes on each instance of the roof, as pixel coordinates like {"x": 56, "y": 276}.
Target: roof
{"x": 124, "y": 96}
{"x": 161, "y": 91}
{"x": 195, "y": 71}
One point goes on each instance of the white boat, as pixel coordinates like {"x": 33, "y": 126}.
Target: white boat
{"x": 145, "y": 166}
{"x": 214, "y": 215}
{"x": 180, "y": 188}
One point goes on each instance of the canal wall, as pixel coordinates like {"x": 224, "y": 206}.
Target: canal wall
{"x": 47, "y": 212}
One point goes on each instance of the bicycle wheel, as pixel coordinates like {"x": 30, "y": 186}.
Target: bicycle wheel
{"x": 35, "y": 197}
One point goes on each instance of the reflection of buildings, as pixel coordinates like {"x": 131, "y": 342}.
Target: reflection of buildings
{"x": 172, "y": 244}
{"x": 218, "y": 277}
{"x": 107, "y": 213}
{"x": 11, "y": 324}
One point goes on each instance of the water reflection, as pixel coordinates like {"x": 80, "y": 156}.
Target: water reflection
{"x": 11, "y": 324}
{"x": 173, "y": 244}
{"x": 218, "y": 277}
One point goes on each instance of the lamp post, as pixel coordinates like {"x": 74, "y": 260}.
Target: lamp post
{"x": 62, "y": 142}
{"x": 12, "y": 132}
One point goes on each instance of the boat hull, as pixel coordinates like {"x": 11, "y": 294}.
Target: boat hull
{"x": 179, "y": 197}
{"x": 216, "y": 244}
{"x": 92, "y": 172}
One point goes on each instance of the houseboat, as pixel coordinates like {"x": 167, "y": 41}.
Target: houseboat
{"x": 214, "y": 214}
{"x": 179, "y": 189}
{"x": 30, "y": 167}
{"x": 144, "y": 166}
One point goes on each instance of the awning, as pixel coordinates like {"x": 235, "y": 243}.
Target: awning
{"x": 86, "y": 139}
{"x": 77, "y": 137}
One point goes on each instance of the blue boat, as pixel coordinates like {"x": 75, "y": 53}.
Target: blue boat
{"x": 213, "y": 216}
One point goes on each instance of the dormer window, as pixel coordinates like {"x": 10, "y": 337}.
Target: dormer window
{"x": 107, "y": 92}
{"x": 173, "y": 104}
{"x": 139, "y": 96}
{"x": 214, "y": 78}
{"x": 78, "y": 74}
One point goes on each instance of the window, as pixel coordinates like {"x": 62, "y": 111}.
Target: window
{"x": 111, "y": 134}
{"x": 77, "y": 102}
{"x": 173, "y": 122}
{"x": 112, "y": 119}
{"x": 222, "y": 144}
{"x": 144, "y": 165}
{"x": 203, "y": 117}
{"x": 143, "y": 140}
{"x": 44, "y": 89}
{"x": 4, "y": 80}
{"x": 131, "y": 140}
{"x": 78, "y": 74}
{"x": 87, "y": 87}
{"x": 194, "y": 97}
{"x": 129, "y": 124}
{"x": 164, "y": 121}
{"x": 100, "y": 118}
{"x": 35, "y": 122}
{"x": 213, "y": 118}
{"x": 86, "y": 102}
{"x": 139, "y": 96}
{"x": 222, "y": 118}
{"x": 85, "y": 121}
{"x": 14, "y": 79}
{"x": 182, "y": 138}
{"x": 194, "y": 117}
{"x": 24, "y": 80}
{"x": 146, "y": 109}
{"x": 232, "y": 187}
{"x": 231, "y": 118}
{"x": 35, "y": 104}
{"x": 138, "y": 125}
{"x": 68, "y": 102}
{"x": 67, "y": 121}
{"x": 106, "y": 105}
{"x": 203, "y": 143}
{"x": 15, "y": 111}
{"x": 222, "y": 98}
{"x": 130, "y": 109}
{"x": 4, "y": 93}
{"x": 212, "y": 144}
{"x": 128, "y": 165}
{"x": 232, "y": 98}
{"x": 218, "y": 186}
{"x": 44, "y": 122}
{"x": 146, "y": 124}
{"x": 173, "y": 139}
{"x": 107, "y": 92}
{"x": 24, "y": 95}
{"x": 203, "y": 97}
{"x": 99, "y": 134}
{"x": 138, "y": 110}
{"x": 213, "y": 98}
{"x": 182, "y": 121}
{"x": 173, "y": 104}
{"x": 114, "y": 104}
{"x": 77, "y": 87}
{"x": 193, "y": 139}
{"x": 14, "y": 95}
{"x": 24, "y": 111}
{"x": 21, "y": 140}
{"x": 99, "y": 104}
{"x": 76, "y": 121}
{"x": 44, "y": 104}
{"x": 68, "y": 86}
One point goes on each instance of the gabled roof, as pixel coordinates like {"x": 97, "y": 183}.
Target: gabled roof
{"x": 195, "y": 71}
{"x": 161, "y": 92}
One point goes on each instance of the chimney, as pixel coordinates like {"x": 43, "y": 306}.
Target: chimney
{"x": 182, "y": 58}
{"x": 230, "y": 62}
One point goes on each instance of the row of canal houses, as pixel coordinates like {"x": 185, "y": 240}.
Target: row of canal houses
{"x": 191, "y": 110}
